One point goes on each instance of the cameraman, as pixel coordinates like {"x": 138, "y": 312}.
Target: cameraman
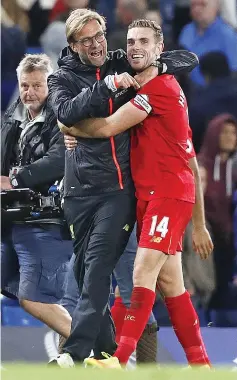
{"x": 35, "y": 255}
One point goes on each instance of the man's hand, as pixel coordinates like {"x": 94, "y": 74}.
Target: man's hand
{"x": 125, "y": 80}
{"x": 146, "y": 75}
{"x": 70, "y": 142}
{"x": 5, "y": 183}
{"x": 202, "y": 242}
{"x": 72, "y": 131}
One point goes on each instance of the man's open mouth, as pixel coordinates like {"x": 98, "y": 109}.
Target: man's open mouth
{"x": 137, "y": 56}
{"x": 96, "y": 53}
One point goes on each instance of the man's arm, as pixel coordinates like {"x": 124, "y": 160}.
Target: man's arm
{"x": 90, "y": 102}
{"x": 47, "y": 169}
{"x": 68, "y": 108}
{"x": 178, "y": 61}
{"x": 201, "y": 238}
{"x": 124, "y": 118}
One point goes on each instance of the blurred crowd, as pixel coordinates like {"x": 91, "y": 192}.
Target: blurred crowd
{"x": 209, "y": 29}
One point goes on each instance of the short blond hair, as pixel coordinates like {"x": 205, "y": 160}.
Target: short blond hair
{"x": 148, "y": 24}
{"x": 32, "y": 62}
{"x": 79, "y": 18}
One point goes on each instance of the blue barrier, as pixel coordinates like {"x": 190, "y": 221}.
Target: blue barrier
{"x": 13, "y": 315}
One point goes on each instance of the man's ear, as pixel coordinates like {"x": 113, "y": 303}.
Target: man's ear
{"x": 73, "y": 47}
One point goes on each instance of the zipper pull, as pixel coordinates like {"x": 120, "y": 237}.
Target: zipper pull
{"x": 98, "y": 73}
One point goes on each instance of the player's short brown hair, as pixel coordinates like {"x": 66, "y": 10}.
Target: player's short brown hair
{"x": 142, "y": 23}
{"x": 79, "y": 18}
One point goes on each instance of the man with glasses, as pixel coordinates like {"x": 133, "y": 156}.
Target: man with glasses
{"x": 99, "y": 201}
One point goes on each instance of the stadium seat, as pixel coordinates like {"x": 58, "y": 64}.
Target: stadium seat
{"x": 224, "y": 318}
{"x": 13, "y": 315}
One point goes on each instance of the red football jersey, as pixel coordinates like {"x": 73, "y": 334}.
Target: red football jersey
{"x": 162, "y": 144}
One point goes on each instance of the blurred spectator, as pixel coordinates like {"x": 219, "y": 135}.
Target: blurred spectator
{"x": 219, "y": 95}
{"x": 13, "y": 47}
{"x": 53, "y": 40}
{"x": 63, "y": 7}
{"x": 12, "y": 14}
{"x": 107, "y": 9}
{"x": 181, "y": 17}
{"x": 38, "y": 12}
{"x": 208, "y": 32}
{"x": 126, "y": 12}
{"x": 219, "y": 147}
{"x": 228, "y": 10}
{"x": 154, "y": 15}
{"x": 199, "y": 275}
{"x": 166, "y": 8}
{"x": 58, "y": 8}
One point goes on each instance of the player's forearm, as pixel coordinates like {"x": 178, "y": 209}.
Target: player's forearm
{"x": 90, "y": 128}
{"x": 198, "y": 216}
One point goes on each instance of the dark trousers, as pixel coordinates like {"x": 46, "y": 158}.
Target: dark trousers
{"x": 101, "y": 227}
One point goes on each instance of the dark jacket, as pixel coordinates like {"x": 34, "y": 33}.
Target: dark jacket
{"x": 77, "y": 92}
{"x": 43, "y": 156}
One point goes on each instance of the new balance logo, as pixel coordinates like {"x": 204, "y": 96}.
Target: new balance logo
{"x": 126, "y": 227}
{"x": 129, "y": 318}
{"x": 156, "y": 239}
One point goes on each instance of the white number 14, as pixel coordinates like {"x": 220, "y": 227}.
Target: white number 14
{"x": 162, "y": 227}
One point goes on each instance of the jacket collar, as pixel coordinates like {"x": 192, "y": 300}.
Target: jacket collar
{"x": 21, "y": 114}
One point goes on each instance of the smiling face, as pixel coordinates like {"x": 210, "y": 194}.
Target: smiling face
{"x": 143, "y": 47}
{"x": 90, "y": 44}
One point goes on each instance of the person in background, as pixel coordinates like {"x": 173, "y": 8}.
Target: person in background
{"x": 217, "y": 157}
{"x": 153, "y": 15}
{"x": 126, "y": 12}
{"x": 208, "y": 32}
{"x": 34, "y": 253}
{"x": 181, "y": 17}
{"x": 199, "y": 275}
{"x": 218, "y": 96}
{"x": 228, "y": 10}
{"x": 11, "y": 54}
{"x": 38, "y": 14}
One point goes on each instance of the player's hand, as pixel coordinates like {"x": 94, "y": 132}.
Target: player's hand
{"x": 125, "y": 80}
{"x": 70, "y": 142}
{"x": 202, "y": 242}
{"x": 147, "y": 75}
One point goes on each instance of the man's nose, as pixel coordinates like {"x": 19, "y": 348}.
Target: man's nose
{"x": 137, "y": 45}
{"x": 30, "y": 91}
{"x": 95, "y": 43}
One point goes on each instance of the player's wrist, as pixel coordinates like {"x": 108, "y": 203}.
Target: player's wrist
{"x": 199, "y": 226}
{"x": 111, "y": 82}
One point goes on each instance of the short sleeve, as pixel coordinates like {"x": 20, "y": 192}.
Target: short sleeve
{"x": 147, "y": 97}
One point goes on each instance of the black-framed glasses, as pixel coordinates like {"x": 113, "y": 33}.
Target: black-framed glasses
{"x": 88, "y": 41}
